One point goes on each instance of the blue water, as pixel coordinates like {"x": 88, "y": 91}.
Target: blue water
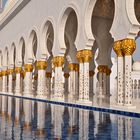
{"x": 29, "y": 120}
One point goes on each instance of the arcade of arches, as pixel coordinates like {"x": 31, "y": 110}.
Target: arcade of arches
{"x": 58, "y": 63}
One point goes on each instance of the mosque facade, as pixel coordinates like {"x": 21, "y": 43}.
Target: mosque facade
{"x": 61, "y": 51}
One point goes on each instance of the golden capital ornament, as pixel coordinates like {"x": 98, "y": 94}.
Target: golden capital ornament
{"x": 128, "y": 46}
{"x": 58, "y": 61}
{"x": 41, "y": 65}
{"x": 118, "y": 48}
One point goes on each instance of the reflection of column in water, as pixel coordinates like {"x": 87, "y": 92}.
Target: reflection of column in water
{"x": 120, "y": 127}
{"x": 9, "y": 107}
{"x": 128, "y": 128}
{"x": 3, "y": 127}
{"x": 83, "y": 124}
{"x": 17, "y": 110}
{"x": 0, "y": 104}
{"x": 96, "y": 116}
{"x": 27, "y": 111}
{"x": 73, "y": 120}
{"x": 58, "y": 112}
{"x": 4, "y": 105}
{"x": 40, "y": 118}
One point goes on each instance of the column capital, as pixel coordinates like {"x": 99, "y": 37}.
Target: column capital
{"x": 84, "y": 56}
{"x": 128, "y": 46}
{"x": 102, "y": 69}
{"x": 35, "y": 76}
{"x": 4, "y": 73}
{"x": 118, "y": 48}
{"x": 58, "y": 61}
{"x": 10, "y": 71}
{"x": 28, "y": 67}
{"x": 1, "y": 74}
{"x": 41, "y": 65}
{"x": 108, "y": 71}
{"x": 73, "y": 67}
{"x": 18, "y": 70}
{"x": 66, "y": 75}
{"x": 91, "y": 73}
{"x": 48, "y": 75}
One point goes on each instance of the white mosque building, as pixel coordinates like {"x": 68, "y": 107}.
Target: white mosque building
{"x": 61, "y": 51}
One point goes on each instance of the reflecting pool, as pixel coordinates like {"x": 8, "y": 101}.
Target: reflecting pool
{"x": 22, "y": 119}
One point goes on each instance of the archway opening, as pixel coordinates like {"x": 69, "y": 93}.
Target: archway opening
{"x": 70, "y": 33}
{"x": 137, "y": 9}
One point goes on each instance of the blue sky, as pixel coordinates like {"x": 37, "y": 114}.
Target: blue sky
{"x": 4, "y": 1}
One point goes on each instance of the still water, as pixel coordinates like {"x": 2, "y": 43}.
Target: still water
{"x": 29, "y": 120}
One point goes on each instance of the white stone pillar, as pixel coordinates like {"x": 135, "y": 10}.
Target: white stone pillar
{"x": 10, "y": 81}
{"x": 18, "y": 90}
{"x": 86, "y": 81}
{"x": 120, "y": 72}
{"x": 41, "y": 87}
{"x": 66, "y": 89}
{"x": 128, "y": 47}
{"x": 84, "y": 57}
{"x": 28, "y": 80}
{"x": 73, "y": 82}
{"x": 0, "y": 81}
{"x": 108, "y": 81}
{"x": 81, "y": 81}
{"x": 102, "y": 73}
{"x": 4, "y": 81}
{"x": 91, "y": 86}
{"x": 58, "y": 63}
{"x": 48, "y": 84}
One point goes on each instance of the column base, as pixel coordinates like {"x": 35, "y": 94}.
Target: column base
{"x": 100, "y": 96}
{"x": 29, "y": 94}
{"x": 129, "y": 106}
{"x": 84, "y": 102}
{"x": 58, "y": 99}
{"x": 122, "y": 106}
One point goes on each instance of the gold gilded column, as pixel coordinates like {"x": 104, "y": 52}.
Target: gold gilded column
{"x": 28, "y": 80}
{"x": 18, "y": 86}
{"x": 120, "y": 72}
{"x": 58, "y": 63}
{"x": 10, "y": 80}
{"x": 128, "y": 48}
{"x": 84, "y": 57}
{"x": 73, "y": 82}
{"x": 41, "y": 84}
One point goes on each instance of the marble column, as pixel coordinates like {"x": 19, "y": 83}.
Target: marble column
{"x": 84, "y": 57}
{"x": 10, "y": 80}
{"x": 4, "y": 81}
{"x": 41, "y": 87}
{"x": 18, "y": 90}
{"x": 73, "y": 82}
{"x": 0, "y": 81}
{"x": 108, "y": 81}
{"x": 102, "y": 73}
{"x": 128, "y": 48}
{"x": 91, "y": 87}
{"x": 58, "y": 63}
{"x": 28, "y": 80}
{"x": 66, "y": 88}
{"x": 48, "y": 84}
{"x": 120, "y": 72}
